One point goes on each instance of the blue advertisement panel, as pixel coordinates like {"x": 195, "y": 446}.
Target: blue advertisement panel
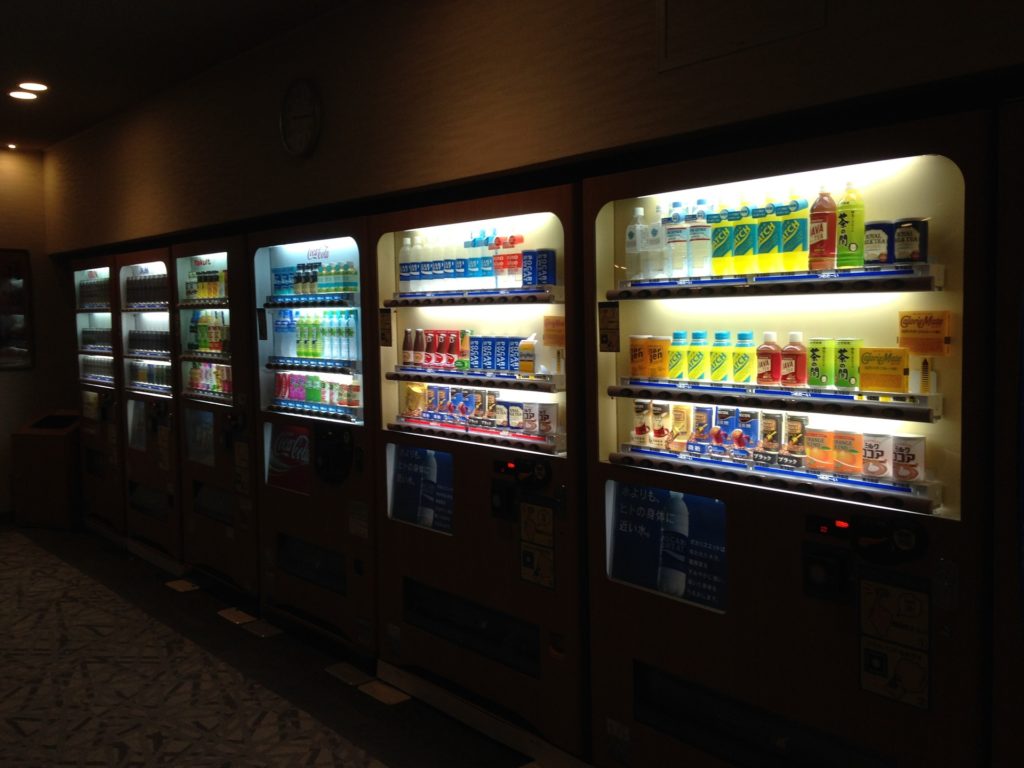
{"x": 670, "y": 542}
{"x": 421, "y": 490}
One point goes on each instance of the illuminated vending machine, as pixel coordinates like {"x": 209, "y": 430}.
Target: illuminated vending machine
{"x": 220, "y": 530}
{"x": 99, "y": 379}
{"x": 316, "y": 487}
{"x": 480, "y": 537}
{"x": 784, "y": 564}
{"x": 152, "y": 514}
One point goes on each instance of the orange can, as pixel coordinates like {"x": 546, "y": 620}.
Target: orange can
{"x": 848, "y": 452}
{"x": 820, "y": 444}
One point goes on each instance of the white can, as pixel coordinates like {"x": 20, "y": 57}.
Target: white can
{"x": 908, "y": 458}
{"x": 530, "y": 418}
{"x": 877, "y": 455}
{"x": 547, "y": 418}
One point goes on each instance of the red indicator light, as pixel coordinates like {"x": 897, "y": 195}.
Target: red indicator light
{"x": 823, "y": 529}
{"x": 842, "y": 524}
{"x": 511, "y": 465}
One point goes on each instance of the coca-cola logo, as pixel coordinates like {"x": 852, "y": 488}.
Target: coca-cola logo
{"x": 291, "y": 448}
{"x": 318, "y": 254}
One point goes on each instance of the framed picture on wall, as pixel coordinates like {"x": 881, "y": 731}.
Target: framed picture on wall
{"x": 15, "y": 310}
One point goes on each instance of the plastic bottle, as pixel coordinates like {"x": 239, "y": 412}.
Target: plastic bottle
{"x": 721, "y": 242}
{"x": 677, "y": 236}
{"x": 721, "y": 356}
{"x": 822, "y": 232}
{"x": 675, "y": 536}
{"x": 407, "y": 344}
{"x": 486, "y": 262}
{"x": 677, "y": 355}
{"x": 634, "y": 239}
{"x": 351, "y": 348}
{"x": 472, "y": 255}
{"x": 794, "y": 361}
{"x": 769, "y": 360}
{"x": 417, "y": 260}
{"x": 404, "y": 257}
{"x": 495, "y": 246}
{"x": 744, "y": 358}
{"x": 699, "y": 245}
{"x": 793, "y": 222}
{"x": 419, "y": 347}
{"x": 698, "y": 361}
{"x": 850, "y": 229}
{"x": 769, "y": 240}
{"x": 744, "y": 241}
{"x": 653, "y": 248}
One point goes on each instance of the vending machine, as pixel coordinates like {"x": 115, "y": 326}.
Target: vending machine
{"x": 788, "y": 494}
{"x": 480, "y": 533}
{"x": 99, "y": 378}
{"x": 220, "y": 529}
{"x": 316, "y": 479}
{"x": 152, "y": 512}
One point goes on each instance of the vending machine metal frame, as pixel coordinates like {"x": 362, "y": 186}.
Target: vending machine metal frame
{"x": 220, "y": 536}
{"x": 317, "y": 548}
{"x": 461, "y": 624}
{"x": 778, "y": 675}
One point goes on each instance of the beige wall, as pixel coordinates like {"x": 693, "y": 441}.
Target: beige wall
{"x": 417, "y": 93}
{"x": 25, "y": 394}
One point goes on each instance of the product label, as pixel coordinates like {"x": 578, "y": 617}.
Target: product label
{"x": 788, "y": 368}
{"x": 719, "y": 365}
{"x": 884, "y": 369}
{"x": 924, "y": 332}
{"x": 721, "y": 241}
{"x": 794, "y": 235}
{"x": 877, "y": 247}
{"x": 631, "y": 239}
{"x": 743, "y": 240}
{"x": 822, "y": 232}
{"x": 908, "y": 244}
{"x": 696, "y": 364}
{"x": 742, "y": 367}
{"x": 768, "y": 237}
{"x": 764, "y": 366}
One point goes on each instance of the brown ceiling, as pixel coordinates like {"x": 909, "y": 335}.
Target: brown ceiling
{"x": 102, "y": 57}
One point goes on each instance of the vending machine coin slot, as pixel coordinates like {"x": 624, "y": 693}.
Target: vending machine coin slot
{"x": 826, "y": 573}
{"x": 333, "y": 453}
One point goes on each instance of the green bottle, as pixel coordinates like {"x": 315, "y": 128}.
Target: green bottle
{"x": 850, "y": 229}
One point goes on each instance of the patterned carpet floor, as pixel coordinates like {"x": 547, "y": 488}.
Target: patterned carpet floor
{"x": 88, "y": 679}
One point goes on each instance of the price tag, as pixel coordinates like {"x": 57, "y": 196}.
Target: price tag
{"x": 608, "y": 325}
{"x": 554, "y": 331}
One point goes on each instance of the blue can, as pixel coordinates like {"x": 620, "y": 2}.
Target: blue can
{"x": 460, "y": 269}
{"x": 501, "y": 353}
{"x": 475, "y": 353}
{"x": 487, "y": 353}
{"x": 547, "y": 268}
{"x": 513, "y": 352}
{"x": 879, "y": 242}
{"x": 530, "y": 269}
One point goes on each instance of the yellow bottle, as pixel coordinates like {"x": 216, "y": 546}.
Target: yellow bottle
{"x": 769, "y": 239}
{"x": 721, "y": 356}
{"x": 677, "y": 355}
{"x": 743, "y": 241}
{"x": 721, "y": 242}
{"x": 794, "y": 224}
{"x": 698, "y": 358}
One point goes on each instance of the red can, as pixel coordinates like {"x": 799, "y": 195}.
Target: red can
{"x": 430, "y": 336}
{"x": 281, "y": 385}
{"x": 452, "y": 353}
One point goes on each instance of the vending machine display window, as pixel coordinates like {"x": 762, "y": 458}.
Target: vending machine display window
{"x": 145, "y": 328}
{"x": 669, "y": 542}
{"x": 421, "y": 488}
{"x": 199, "y": 436}
{"x": 15, "y": 314}
{"x": 479, "y": 351}
{"x": 309, "y": 348}
{"x": 204, "y": 319}
{"x": 93, "y": 322}
{"x": 287, "y": 461}
{"x": 799, "y": 332}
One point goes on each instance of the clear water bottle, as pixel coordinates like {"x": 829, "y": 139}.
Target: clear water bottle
{"x": 289, "y": 332}
{"x": 634, "y": 245}
{"x": 699, "y": 245}
{"x": 404, "y": 257}
{"x": 653, "y": 246}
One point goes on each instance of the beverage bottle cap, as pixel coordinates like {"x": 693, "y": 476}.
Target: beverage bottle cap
{"x": 678, "y": 336}
{"x": 406, "y": 241}
{"x": 745, "y": 336}
{"x": 638, "y": 211}
{"x": 796, "y": 336}
{"x": 721, "y": 335}
{"x": 770, "y": 337}
{"x": 699, "y": 335}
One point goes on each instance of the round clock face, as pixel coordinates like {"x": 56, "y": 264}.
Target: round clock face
{"x": 300, "y": 118}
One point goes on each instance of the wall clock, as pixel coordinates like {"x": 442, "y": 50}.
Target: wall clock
{"x": 300, "y": 118}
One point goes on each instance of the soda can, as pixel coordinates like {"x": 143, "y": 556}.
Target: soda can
{"x": 877, "y": 453}
{"x": 451, "y": 355}
{"x": 500, "y": 353}
{"x": 908, "y": 458}
{"x": 911, "y": 241}
{"x": 661, "y": 425}
{"x": 531, "y": 419}
{"x": 462, "y": 362}
{"x": 700, "y": 434}
{"x": 769, "y": 440}
{"x": 682, "y": 419}
{"x": 475, "y": 355}
{"x": 530, "y": 269}
{"x": 821, "y": 362}
{"x": 879, "y": 242}
{"x": 430, "y": 407}
{"x": 487, "y": 353}
{"x": 639, "y": 366}
{"x": 456, "y": 403}
{"x": 725, "y": 423}
{"x": 743, "y": 437}
{"x": 280, "y": 385}
{"x": 848, "y": 451}
{"x": 641, "y": 434}
{"x": 443, "y": 403}
{"x": 501, "y": 414}
{"x": 547, "y": 268}
{"x": 847, "y": 365}
{"x": 547, "y": 418}
{"x": 819, "y": 450}
{"x": 468, "y": 406}
{"x": 793, "y": 450}
{"x": 513, "y": 352}
{"x": 491, "y": 408}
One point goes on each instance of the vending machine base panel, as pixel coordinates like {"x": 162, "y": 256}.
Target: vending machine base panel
{"x": 477, "y": 718}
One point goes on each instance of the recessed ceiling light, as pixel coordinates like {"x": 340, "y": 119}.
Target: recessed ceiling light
{"x": 22, "y": 95}
{"x": 32, "y": 86}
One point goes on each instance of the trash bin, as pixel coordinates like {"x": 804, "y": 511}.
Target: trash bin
{"x": 45, "y": 472}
